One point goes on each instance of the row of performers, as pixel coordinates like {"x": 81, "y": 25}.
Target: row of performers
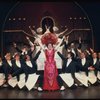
{"x": 80, "y": 68}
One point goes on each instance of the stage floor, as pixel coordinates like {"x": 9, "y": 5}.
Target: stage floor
{"x": 92, "y": 92}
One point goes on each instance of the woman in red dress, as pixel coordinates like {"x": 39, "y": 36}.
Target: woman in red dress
{"x": 50, "y": 70}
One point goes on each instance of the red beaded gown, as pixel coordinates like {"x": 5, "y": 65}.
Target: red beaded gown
{"x": 50, "y": 72}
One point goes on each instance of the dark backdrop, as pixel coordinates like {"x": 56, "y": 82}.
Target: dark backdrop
{"x": 91, "y": 8}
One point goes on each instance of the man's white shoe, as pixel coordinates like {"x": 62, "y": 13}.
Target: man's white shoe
{"x": 76, "y": 84}
{"x": 39, "y": 89}
{"x": 62, "y": 88}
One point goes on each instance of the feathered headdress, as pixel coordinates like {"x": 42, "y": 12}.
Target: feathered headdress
{"x": 49, "y": 38}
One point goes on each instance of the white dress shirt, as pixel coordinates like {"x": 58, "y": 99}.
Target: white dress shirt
{"x": 29, "y": 63}
{"x": 83, "y": 61}
{"x": 68, "y": 61}
{"x": 94, "y": 61}
{"x": 18, "y": 63}
{"x": 9, "y": 62}
{"x": 73, "y": 51}
{"x": 0, "y": 63}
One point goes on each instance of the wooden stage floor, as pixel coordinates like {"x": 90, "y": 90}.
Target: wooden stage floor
{"x": 92, "y": 92}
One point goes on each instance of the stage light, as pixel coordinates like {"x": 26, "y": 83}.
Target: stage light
{"x": 19, "y": 18}
{"x": 9, "y": 18}
{"x": 84, "y": 17}
{"x": 24, "y": 18}
{"x": 75, "y": 18}
{"x": 14, "y": 19}
{"x": 80, "y": 18}
{"x": 70, "y": 18}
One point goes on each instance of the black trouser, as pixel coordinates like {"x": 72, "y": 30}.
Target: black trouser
{"x": 60, "y": 81}
{"x": 40, "y": 81}
{"x": 17, "y": 77}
